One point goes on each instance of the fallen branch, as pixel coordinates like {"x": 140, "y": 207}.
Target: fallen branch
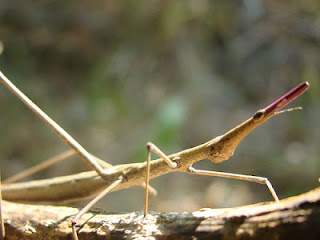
{"x": 292, "y": 218}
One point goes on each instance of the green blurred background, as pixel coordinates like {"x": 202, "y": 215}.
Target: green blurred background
{"x": 116, "y": 74}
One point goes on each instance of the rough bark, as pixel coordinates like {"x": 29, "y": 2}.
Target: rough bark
{"x": 292, "y": 218}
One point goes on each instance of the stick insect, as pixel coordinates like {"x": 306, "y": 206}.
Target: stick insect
{"x": 106, "y": 178}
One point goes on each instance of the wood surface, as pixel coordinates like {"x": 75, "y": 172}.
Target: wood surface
{"x": 292, "y": 218}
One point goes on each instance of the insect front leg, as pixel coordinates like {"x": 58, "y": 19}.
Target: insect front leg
{"x": 66, "y": 137}
{"x": 256, "y": 179}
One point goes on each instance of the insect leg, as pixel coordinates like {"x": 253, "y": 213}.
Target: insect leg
{"x": 261, "y": 180}
{"x": 90, "y": 204}
{"x": 156, "y": 150}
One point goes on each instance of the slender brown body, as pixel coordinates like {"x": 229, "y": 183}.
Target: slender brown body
{"x": 101, "y": 181}
{"x": 88, "y": 184}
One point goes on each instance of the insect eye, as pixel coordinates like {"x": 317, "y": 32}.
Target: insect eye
{"x": 258, "y": 115}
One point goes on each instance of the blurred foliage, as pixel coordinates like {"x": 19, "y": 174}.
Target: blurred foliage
{"x": 116, "y": 74}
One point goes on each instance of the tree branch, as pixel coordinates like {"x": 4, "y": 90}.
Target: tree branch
{"x": 292, "y": 218}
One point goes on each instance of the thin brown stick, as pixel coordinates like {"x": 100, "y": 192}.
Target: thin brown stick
{"x": 146, "y": 192}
